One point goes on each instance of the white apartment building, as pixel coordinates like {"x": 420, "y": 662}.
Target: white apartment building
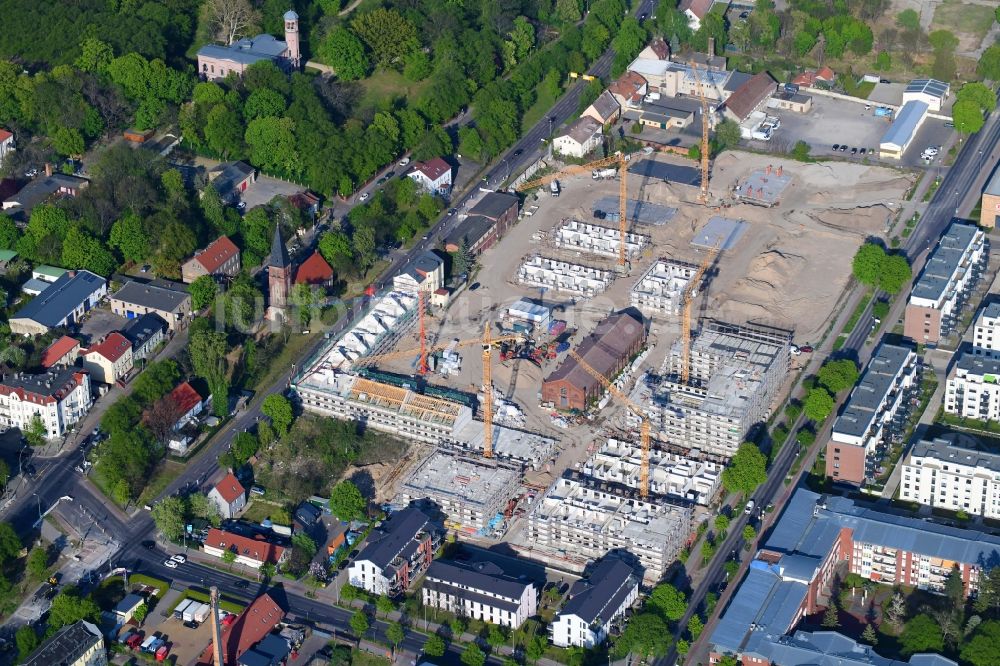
{"x": 986, "y": 331}
{"x": 943, "y": 286}
{"x": 481, "y": 591}
{"x": 659, "y": 290}
{"x": 973, "y": 388}
{"x": 857, "y": 441}
{"x": 396, "y": 553}
{"x": 957, "y": 478}
{"x": 60, "y": 397}
{"x": 595, "y": 604}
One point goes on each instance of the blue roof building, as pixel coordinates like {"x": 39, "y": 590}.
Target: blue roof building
{"x": 216, "y": 62}
{"x": 903, "y": 129}
{"x": 62, "y": 304}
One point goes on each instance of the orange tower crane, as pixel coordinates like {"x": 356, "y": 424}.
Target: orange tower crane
{"x": 644, "y": 428}
{"x": 700, "y": 90}
{"x": 687, "y": 299}
{"x": 618, "y": 158}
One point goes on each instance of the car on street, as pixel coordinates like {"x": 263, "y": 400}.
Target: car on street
{"x": 748, "y": 509}
{"x": 836, "y": 146}
{"x": 179, "y": 559}
{"x": 363, "y": 197}
{"x": 241, "y": 584}
{"x": 806, "y": 349}
{"x": 149, "y": 544}
{"x": 843, "y": 147}
{"x": 518, "y": 152}
{"x": 864, "y": 150}
{"x": 381, "y": 181}
{"x": 932, "y": 150}
{"x": 170, "y": 564}
{"x": 854, "y": 151}
{"x": 403, "y": 162}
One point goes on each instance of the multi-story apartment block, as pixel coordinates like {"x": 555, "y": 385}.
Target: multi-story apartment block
{"x": 859, "y": 437}
{"x": 595, "y": 604}
{"x": 580, "y": 519}
{"x": 79, "y": 644}
{"x": 972, "y": 389}
{"x": 59, "y": 397}
{"x": 396, "y": 554}
{"x": 986, "y": 331}
{"x": 940, "y": 292}
{"x": 953, "y": 476}
{"x": 481, "y": 591}
{"x": 735, "y": 375}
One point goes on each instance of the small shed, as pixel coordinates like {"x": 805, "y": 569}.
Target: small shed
{"x": 126, "y": 607}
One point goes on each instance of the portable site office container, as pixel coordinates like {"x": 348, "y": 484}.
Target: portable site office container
{"x": 179, "y": 610}
{"x": 202, "y": 612}
{"x": 189, "y": 611}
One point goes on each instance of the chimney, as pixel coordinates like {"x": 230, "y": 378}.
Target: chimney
{"x": 711, "y": 46}
{"x": 217, "y": 649}
{"x": 48, "y": 169}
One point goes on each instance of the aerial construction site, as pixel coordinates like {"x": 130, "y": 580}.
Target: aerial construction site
{"x": 589, "y": 380}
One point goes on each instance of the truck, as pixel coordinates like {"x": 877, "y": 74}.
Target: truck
{"x": 554, "y": 188}
{"x": 598, "y": 174}
{"x": 148, "y": 642}
{"x": 162, "y": 652}
{"x": 181, "y": 607}
{"x": 202, "y": 612}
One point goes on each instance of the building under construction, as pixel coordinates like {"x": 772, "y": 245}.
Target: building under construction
{"x": 569, "y": 278}
{"x": 572, "y": 234}
{"x": 580, "y": 519}
{"x": 735, "y": 375}
{"x": 660, "y": 290}
{"x": 471, "y": 492}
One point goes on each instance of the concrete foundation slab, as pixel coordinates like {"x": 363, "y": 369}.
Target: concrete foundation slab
{"x": 674, "y": 173}
{"x": 764, "y": 187}
{"x": 722, "y": 233}
{"x": 641, "y": 212}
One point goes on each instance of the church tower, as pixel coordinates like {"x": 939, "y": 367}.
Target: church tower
{"x": 292, "y": 38}
{"x": 279, "y": 278}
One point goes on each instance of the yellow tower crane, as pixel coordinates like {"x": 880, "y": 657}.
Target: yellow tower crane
{"x": 618, "y": 158}
{"x": 700, "y": 90}
{"x": 687, "y": 298}
{"x": 644, "y": 428}
{"x": 488, "y": 342}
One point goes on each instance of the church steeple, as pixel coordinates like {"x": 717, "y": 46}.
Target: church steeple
{"x": 279, "y": 278}
{"x": 279, "y": 254}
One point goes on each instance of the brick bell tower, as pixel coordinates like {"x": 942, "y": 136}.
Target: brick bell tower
{"x": 279, "y": 278}
{"x": 292, "y": 38}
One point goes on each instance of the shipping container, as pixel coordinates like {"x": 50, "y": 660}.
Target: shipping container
{"x": 181, "y": 607}
{"x": 202, "y": 613}
{"x": 556, "y": 327}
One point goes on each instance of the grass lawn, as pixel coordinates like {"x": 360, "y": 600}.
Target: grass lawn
{"x": 293, "y": 349}
{"x": 538, "y": 110}
{"x": 960, "y": 17}
{"x": 163, "y": 476}
{"x": 258, "y": 511}
{"x": 362, "y": 658}
{"x": 386, "y": 84}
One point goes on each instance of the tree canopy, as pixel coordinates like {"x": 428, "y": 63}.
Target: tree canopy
{"x": 746, "y": 471}
{"x": 838, "y": 375}
{"x": 347, "y": 502}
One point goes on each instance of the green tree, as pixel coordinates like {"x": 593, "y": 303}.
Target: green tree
{"x": 968, "y": 117}
{"x": 36, "y": 432}
{"x": 883, "y": 61}
{"x": 645, "y": 635}
{"x": 869, "y": 636}
{"x": 983, "y": 648}
{"x": 867, "y": 263}
{"x": 921, "y": 634}
{"x": 418, "y": 66}
{"x": 568, "y": 10}
{"x": 387, "y": 33}
{"x": 495, "y": 636}
{"x": 267, "y": 570}
{"x": 347, "y": 502}
{"x": 359, "y": 623}
{"x": 749, "y": 533}
{"x": 800, "y": 151}
{"x": 695, "y": 626}
{"x": 229, "y": 557}
{"x": 68, "y": 141}
{"x": 4, "y": 473}
{"x": 69, "y": 607}
{"x": 979, "y": 93}
{"x": 894, "y": 272}
{"x": 224, "y": 131}
{"x": 38, "y": 563}
{"x": 668, "y": 601}
{"x": 263, "y": 103}
{"x": 27, "y": 641}
{"x": 394, "y": 632}
{"x": 746, "y": 471}
{"x": 343, "y": 51}
{"x": 279, "y": 410}
{"x": 303, "y": 542}
{"x": 129, "y": 238}
{"x": 831, "y": 618}
{"x": 818, "y": 404}
{"x": 272, "y": 144}
{"x": 168, "y": 515}
{"x": 384, "y": 605}
{"x": 727, "y": 134}
{"x": 954, "y": 588}
{"x": 84, "y": 251}
{"x": 140, "y": 612}
{"x": 434, "y": 646}
{"x": 989, "y": 591}
{"x": 908, "y": 19}
{"x": 988, "y": 66}
{"x": 721, "y": 523}
{"x": 203, "y": 291}
{"x": 838, "y": 375}
{"x": 473, "y": 655}
{"x": 120, "y": 492}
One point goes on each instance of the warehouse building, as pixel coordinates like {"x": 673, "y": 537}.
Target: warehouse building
{"x": 903, "y": 130}
{"x": 487, "y": 221}
{"x": 942, "y": 289}
{"x": 658, "y": 292}
{"x": 608, "y": 350}
{"x": 735, "y": 375}
{"x": 480, "y": 591}
{"x": 670, "y": 474}
{"x": 470, "y": 491}
{"x": 955, "y": 473}
{"x": 860, "y": 435}
{"x": 71, "y": 296}
{"x": 989, "y": 211}
{"x": 579, "y": 520}
{"x": 579, "y": 236}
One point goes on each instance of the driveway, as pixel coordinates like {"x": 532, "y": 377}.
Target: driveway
{"x": 99, "y": 322}
{"x": 266, "y": 188}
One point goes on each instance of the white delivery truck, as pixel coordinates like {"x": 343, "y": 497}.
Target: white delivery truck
{"x": 554, "y": 188}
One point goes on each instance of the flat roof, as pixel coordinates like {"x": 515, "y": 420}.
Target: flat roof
{"x": 642, "y": 212}
{"x": 460, "y": 477}
{"x": 675, "y": 173}
{"x": 946, "y": 451}
{"x": 901, "y": 130}
{"x": 874, "y": 385}
{"x": 993, "y": 185}
{"x": 944, "y": 261}
{"x": 152, "y": 296}
{"x": 719, "y": 232}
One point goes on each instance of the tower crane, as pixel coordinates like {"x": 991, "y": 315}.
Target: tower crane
{"x": 700, "y": 90}
{"x": 687, "y": 298}
{"x": 618, "y": 158}
{"x": 644, "y": 428}
{"x": 487, "y": 342}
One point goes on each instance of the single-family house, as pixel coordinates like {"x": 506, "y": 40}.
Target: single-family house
{"x": 229, "y": 495}
{"x": 110, "y": 359}
{"x": 658, "y": 49}
{"x": 253, "y": 552}
{"x": 126, "y": 608}
{"x": 695, "y": 11}
{"x": 487, "y": 221}
{"x": 305, "y": 201}
{"x": 434, "y": 175}
{"x": 168, "y": 300}
{"x": 60, "y": 353}
{"x": 189, "y": 403}
{"x": 581, "y": 137}
{"x": 314, "y": 271}
{"x": 751, "y": 96}
{"x": 425, "y": 272}
{"x": 629, "y": 89}
{"x": 42, "y": 188}
{"x": 62, "y": 304}
{"x": 811, "y": 77}
{"x": 306, "y": 516}
{"x": 221, "y": 257}
{"x": 6, "y": 143}
{"x": 605, "y": 109}
{"x": 145, "y": 333}
{"x": 216, "y": 62}
{"x": 232, "y": 179}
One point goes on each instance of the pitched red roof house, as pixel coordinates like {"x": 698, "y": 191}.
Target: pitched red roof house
{"x": 4, "y": 134}
{"x": 809, "y": 78}
{"x": 660, "y": 48}
{"x": 314, "y": 270}
{"x": 230, "y": 488}
{"x": 750, "y": 95}
{"x": 699, "y": 8}
{"x": 185, "y": 397}
{"x": 216, "y": 254}
{"x": 58, "y": 350}
{"x": 250, "y": 628}
{"x": 112, "y": 347}
{"x": 253, "y": 548}
{"x": 630, "y": 86}
{"x": 433, "y": 168}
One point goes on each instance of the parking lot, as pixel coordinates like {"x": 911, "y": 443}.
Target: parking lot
{"x": 265, "y": 189}
{"x": 99, "y": 322}
{"x": 186, "y": 645}
{"x": 832, "y": 121}
{"x": 932, "y": 133}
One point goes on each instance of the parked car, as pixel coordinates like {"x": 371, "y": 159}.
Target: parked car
{"x": 843, "y": 148}
{"x": 149, "y": 544}
{"x": 836, "y": 146}
{"x": 363, "y": 197}
{"x": 403, "y": 162}
{"x": 748, "y": 509}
